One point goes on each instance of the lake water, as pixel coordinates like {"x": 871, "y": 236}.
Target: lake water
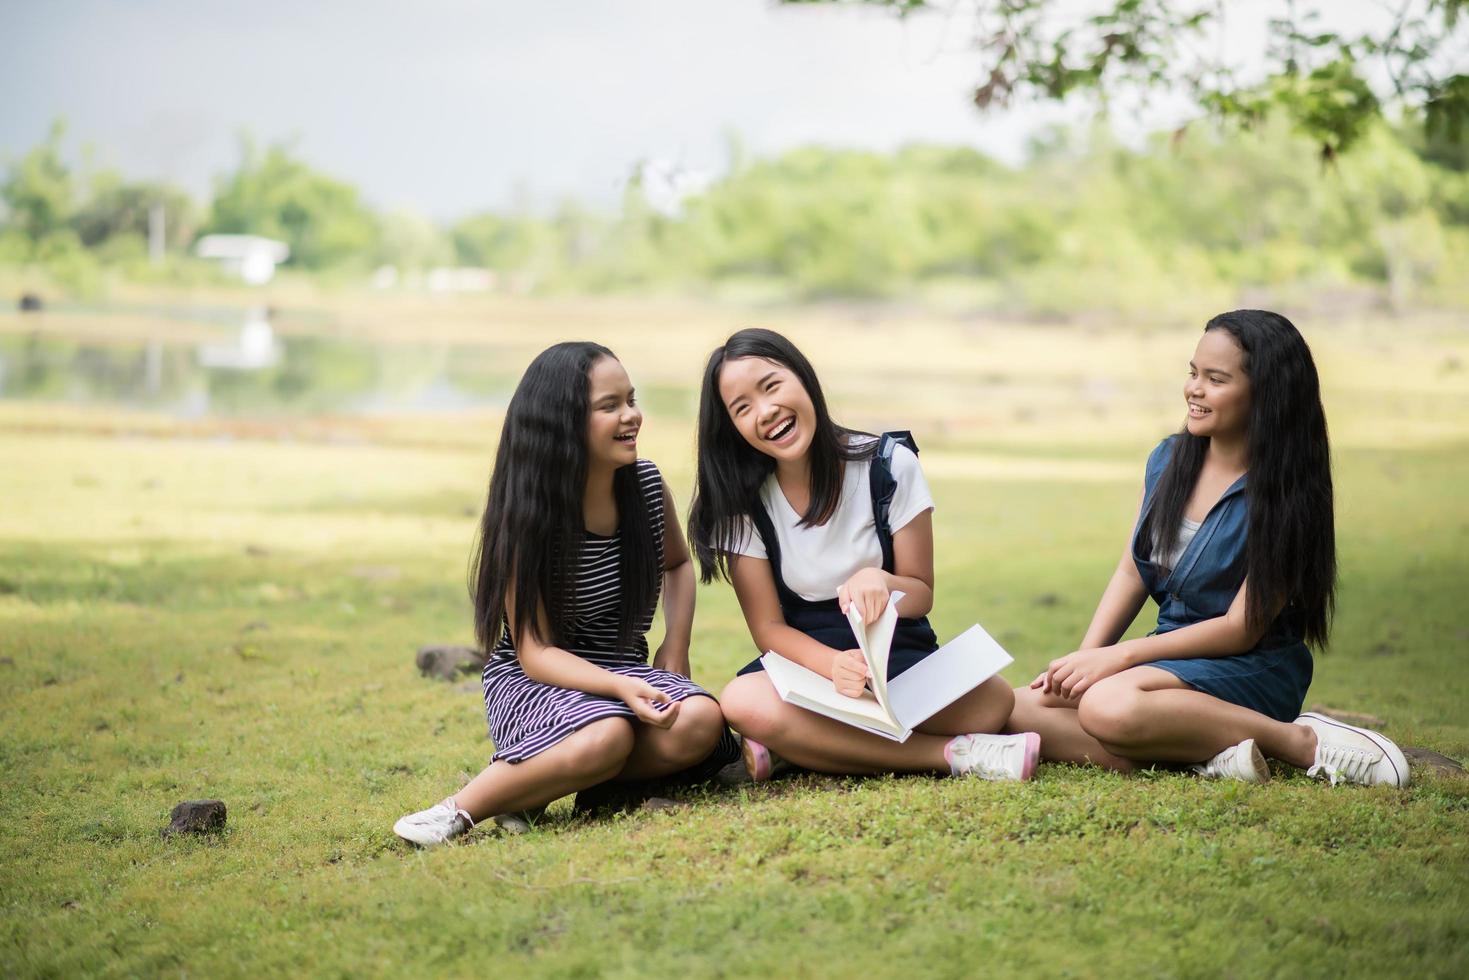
{"x": 252, "y": 370}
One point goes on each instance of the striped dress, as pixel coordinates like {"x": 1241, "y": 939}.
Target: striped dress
{"x": 526, "y": 716}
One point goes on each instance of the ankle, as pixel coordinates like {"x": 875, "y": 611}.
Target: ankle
{"x": 1302, "y": 747}
{"x": 453, "y": 804}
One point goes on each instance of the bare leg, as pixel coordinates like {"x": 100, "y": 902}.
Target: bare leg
{"x": 664, "y": 751}
{"x": 815, "y": 742}
{"x": 1147, "y": 713}
{"x": 588, "y": 756}
{"x": 983, "y": 710}
{"x": 1063, "y": 739}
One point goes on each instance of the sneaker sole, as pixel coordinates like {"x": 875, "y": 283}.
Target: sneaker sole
{"x": 1260, "y": 769}
{"x": 511, "y": 823}
{"x": 1390, "y": 751}
{"x": 757, "y": 760}
{"x": 409, "y": 834}
{"x": 1032, "y": 755}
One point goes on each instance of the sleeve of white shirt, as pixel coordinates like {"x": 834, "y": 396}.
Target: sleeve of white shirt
{"x": 746, "y": 540}
{"x": 912, "y": 496}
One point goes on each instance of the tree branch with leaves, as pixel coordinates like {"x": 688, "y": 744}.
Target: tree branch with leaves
{"x": 1331, "y": 83}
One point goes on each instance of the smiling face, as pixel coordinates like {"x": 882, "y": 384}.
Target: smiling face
{"x": 613, "y": 417}
{"x": 1218, "y": 390}
{"x": 769, "y": 407}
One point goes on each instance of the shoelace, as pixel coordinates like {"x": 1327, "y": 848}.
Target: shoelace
{"x": 1339, "y": 762}
{"x": 459, "y": 812}
{"x": 1222, "y": 764}
{"x": 985, "y": 756}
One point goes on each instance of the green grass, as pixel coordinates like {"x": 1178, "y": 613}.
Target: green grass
{"x": 182, "y": 617}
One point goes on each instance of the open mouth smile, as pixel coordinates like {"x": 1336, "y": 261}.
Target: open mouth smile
{"x": 1198, "y": 411}
{"x": 628, "y": 437}
{"x": 781, "y": 429}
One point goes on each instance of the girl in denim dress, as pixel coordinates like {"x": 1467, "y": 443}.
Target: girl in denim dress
{"x": 1234, "y": 540}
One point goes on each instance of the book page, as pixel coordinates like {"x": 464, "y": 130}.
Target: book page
{"x": 947, "y": 674}
{"x": 876, "y": 641}
{"x": 805, "y": 688}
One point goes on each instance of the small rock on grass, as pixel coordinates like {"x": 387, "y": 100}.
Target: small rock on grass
{"x": 196, "y": 817}
{"x": 1441, "y": 765}
{"x": 449, "y": 663}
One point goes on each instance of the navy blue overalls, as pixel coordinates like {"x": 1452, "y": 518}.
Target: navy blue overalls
{"x": 1273, "y": 677}
{"x": 824, "y": 621}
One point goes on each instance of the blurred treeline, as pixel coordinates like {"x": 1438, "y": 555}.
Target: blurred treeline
{"x": 1084, "y": 224}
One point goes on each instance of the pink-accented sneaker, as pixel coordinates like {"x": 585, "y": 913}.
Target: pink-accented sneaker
{"x": 999, "y": 757}
{"x": 760, "y": 762}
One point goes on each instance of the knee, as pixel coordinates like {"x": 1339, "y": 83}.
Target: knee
{"x": 605, "y": 745}
{"x": 999, "y": 697}
{"x": 700, "y": 723}
{"x": 1024, "y": 702}
{"x": 707, "y": 721}
{"x": 1112, "y": 714}
{"x": 751, "y": 706}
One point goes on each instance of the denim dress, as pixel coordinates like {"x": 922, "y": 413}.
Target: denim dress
{"x": 1273, "y": 677}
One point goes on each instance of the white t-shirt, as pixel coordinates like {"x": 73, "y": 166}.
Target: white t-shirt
{"x": 815, "y": 561}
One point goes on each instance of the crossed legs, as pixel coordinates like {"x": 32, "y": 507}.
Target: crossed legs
{"x": 1145, "y": 714}
{"x": 612, "y": 748}
{"x": 811, "y": 741}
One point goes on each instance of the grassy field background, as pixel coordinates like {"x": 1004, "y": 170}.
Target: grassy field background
{"x": 228, "y": 607}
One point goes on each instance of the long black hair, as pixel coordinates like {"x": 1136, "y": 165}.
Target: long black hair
{"x": 533, "y": 528}
{"x": 730, "y": 470}
{"x": 1290, "y": 551}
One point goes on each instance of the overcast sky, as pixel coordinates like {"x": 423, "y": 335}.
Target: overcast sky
{"x": 450, "y": 106}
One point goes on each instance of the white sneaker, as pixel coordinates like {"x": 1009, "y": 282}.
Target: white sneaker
{"x": 1345, "y": 753}
{"x": 994, "y": 756}
{"x": 437, "y": 825}
{"x": 1242, "y": 762}
{"x": 520, "y": 821}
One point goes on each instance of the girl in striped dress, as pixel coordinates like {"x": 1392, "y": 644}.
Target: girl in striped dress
{"x": 577, "y": 538}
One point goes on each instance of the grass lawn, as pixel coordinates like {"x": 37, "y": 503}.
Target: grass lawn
{"x": 229, "y": 608}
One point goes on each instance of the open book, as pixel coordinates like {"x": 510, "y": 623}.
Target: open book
{"x": 894, "y": 709}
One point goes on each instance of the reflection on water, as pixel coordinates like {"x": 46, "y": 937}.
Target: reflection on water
{"x": 253, "y": 372}
{"x": 255, "y": 347}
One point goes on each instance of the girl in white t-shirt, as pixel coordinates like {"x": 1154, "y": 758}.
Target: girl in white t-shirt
{"x": 784, "y": 510}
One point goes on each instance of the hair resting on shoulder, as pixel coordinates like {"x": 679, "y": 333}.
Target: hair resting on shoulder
{"x": 1290, "y": 549}
{"x": 533, "y": 528}
{"x": 730, "y": 470}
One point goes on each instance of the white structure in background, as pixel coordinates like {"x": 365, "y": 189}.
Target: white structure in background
{"x": 441, "y": 279}
{"x": 385, "y": 277}
{"x": 251, "y": 257}
{"x": 666, "y": 185}
{"x": 255, "y": 347}
{"x": 460, "y": 279}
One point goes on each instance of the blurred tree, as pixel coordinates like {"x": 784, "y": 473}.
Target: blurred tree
{"x": 501, "y": 242}
{"x": 115, "y": 207}
{"x": 277, "y": 195}
{"x": 1320, "y": 78}
{"x": 408, "y": 240}
{"x": 38, "y": 189}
